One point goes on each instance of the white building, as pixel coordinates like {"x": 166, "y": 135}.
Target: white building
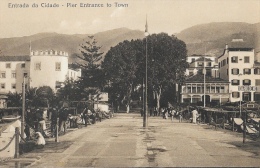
{"x": 237, "y": 65}
{"x": 41, "y": 68}
{"x": 195, "y": 87}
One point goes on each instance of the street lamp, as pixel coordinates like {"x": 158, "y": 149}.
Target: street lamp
{"x": 23, "y": 106}
{"x": 145, "y": 119}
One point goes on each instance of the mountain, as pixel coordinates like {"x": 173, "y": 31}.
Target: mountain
{"x": 62, "y": 42}
{"x": 207, "y": 38}
{"x": 211, "y": 38}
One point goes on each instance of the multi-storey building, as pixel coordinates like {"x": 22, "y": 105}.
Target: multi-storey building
{"x": 197, "y": 87}
{"x": 238, "y": 65}
{"x": 41, "y": 68}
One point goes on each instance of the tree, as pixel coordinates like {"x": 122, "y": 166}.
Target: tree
{"x": 166, "y": 63}
{"x": 90, "y": 81}
{"x": 14, "y": 99}
{"x": 120, "y": 67}
{"x": 70, "y": 91}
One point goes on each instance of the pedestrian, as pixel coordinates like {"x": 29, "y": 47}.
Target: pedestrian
{"x": 63, "y": 116}
{"x": 54, "y": 118}
{"x": 180, "y": 116}
{"x": 40, "y": 141}
{"x": 166, "y": 113}
{"x": 194, "y": 116}
{"x": 172, "y": 113}
{"x": 155, "y": 111}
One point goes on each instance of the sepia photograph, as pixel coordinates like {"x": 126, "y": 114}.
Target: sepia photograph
{"x": 129, "y": 83}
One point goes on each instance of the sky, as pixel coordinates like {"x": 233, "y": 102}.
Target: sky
{"x": 170, "y": 16}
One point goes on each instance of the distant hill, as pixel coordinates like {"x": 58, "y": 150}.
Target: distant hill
{"x": 62, "y": 42}
{"x": 211, "y": 38}
{"x": 200, "y": 39}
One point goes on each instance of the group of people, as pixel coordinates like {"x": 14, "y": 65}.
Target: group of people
{"x": 35, "y": 121}
{"x": 175, "y": 112}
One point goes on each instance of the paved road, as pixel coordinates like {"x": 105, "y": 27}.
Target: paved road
{"x": 122, "y": 142}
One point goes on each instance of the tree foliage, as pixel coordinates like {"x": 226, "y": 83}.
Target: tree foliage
{"x": 124, "y": 66}
{"x": 90, "y": 81}
{"x": 120, "y": 67}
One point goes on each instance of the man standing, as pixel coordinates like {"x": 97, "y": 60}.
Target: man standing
{"x": 194, "y": 116}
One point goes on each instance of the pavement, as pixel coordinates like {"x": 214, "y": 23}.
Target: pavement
{"x": 123, "y": 142}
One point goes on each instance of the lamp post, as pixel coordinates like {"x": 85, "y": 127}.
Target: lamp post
{"x": 145, "y": 119}
{"x": 23, "y": 106}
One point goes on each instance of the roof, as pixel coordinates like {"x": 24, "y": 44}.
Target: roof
{"x": 203, "y": 59}
{"x": 15, "y": 58}
{"x": 240, "y": 45}
{"x": 199, "y": 78}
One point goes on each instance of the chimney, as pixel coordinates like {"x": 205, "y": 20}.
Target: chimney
{"x": 226, "y": 46}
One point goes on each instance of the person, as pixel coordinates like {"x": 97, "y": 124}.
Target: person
{"x": 155, "y": 111}
{"x": 63, "y": 116}
{"x": 194, "y": 116}
{"x": 85, "y": 116}
{"x": 172, "y": 113}
{"x": 40, "y": 141}
{"x": 54, "y": 118}
{"x": 180, "y": 116}
{"x": 166, "y": 113}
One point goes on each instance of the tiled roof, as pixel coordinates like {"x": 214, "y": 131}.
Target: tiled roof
{"x": 199, "y": 78}
{"x": 15, "y": 58}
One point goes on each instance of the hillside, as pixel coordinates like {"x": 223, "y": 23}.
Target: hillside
{"x": 70, "y": 43}
{"x": 211, "y": 38}
{"x": 200, "y": 39}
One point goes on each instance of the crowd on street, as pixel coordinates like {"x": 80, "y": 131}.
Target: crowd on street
{"x": 190, "y": 114}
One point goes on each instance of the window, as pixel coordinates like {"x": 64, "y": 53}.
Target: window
{"x": 58, "y": 84}
{"x": 257, "y": 82}
{"x": 257, "y": 71}
{"x": 247, "y": 71}
{"x": 2, "y": 85}
{"x": 227, "y": 60}
{"x": 209, "y": 64}
{"x": 23, "y": 65}
{"x": 235, "y": 71}
{"x": 246, "y": 82}
{"x": 200, "y": 64}
{"x": 246, "y": 59}
{"x": 227, "y": 72}
{"x": 13, "y": 86}
{"x": 8, "y": 65}
{"x": 235, "y": 82}
{"x": 234, "y": 59}
{"x": 37, "y": 66}
{"x": 3, "y": 75}
{"x": 57, "y": 66}
{"x": 25, "y": 74}
{"x": 219, "y": 65}
{"x": 13, "y": 74}
{"x": 193, "y": 60}
{"x": 235, "y": 94}
{"x": 224, "y": 62}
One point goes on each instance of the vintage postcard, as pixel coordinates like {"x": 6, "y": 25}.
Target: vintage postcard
{"x": 129, "y": 83}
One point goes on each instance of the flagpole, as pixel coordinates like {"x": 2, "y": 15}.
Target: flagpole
{"x": 204, "y": 74}
{"x": 145, "y": 123}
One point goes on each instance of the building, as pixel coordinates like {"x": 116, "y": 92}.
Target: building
{"x": 41, "y": 68}
{"x": 216, "y": 89}
{"x": 238, "y": 65}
